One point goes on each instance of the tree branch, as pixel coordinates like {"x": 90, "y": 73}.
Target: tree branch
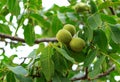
{"x": 105, "y": 73}
{"x": 37, "y": 41}
{"x": 85, "y": 77}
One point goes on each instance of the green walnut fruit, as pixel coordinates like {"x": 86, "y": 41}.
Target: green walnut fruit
{"x": 77, "y": 44}
{"x": 70, "y": 28}
{"x": 81, "y": 7}
{"x": 64, "y": 36}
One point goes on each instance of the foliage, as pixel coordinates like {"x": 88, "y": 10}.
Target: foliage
{"x": 99, "y": 27}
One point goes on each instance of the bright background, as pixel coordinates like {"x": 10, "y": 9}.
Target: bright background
{"x": 24, "y": 51}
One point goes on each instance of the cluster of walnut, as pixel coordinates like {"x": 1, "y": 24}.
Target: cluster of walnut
{"x": 66, "y": 36}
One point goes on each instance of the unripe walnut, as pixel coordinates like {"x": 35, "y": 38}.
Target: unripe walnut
{"x": 80, "y": 7}
{"x": 70, "y": 28}
{"x": 77, "y": 44}
{"x": 64, "y": 36}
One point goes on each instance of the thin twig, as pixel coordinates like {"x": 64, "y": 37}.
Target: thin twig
{"x": 23, "y": 61}
{"x": 37, "y": 41}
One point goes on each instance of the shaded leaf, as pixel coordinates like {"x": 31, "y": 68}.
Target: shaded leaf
{"x": 47, "y": 63}
{"x": 107, "y": 4}
{"x": 41, "y": 47}
{"x": 19, "y": 70}
{"x": 115, "y": 47}
{"x": 90, "y": 57}
{"x": 94, "y": 21}
{"x": 105, "y": 65}
{"x": 100, "y": 39}
{"x": 2, "y": 18}
{"x": 65, "y": 54}
{"x": 115, "y": 31}
{"x": 96, "y": 69}
{"x": 35, "y": 5}
{"x": 94, "y": 73}
{"x": 94, "y": 8}
{"x": 43, "y": 23}
{"x": 78, "y": 57}
{"x": 10, "y": 77}
{"x": 116, "y": 57}
{"x": 32, "y": 54}
{"x": 88, "y": 33}
{"x": 56, "y": 24}
{"x": 23, "y": 79}
{"x": 60, "y": 62}
{"x": 108, "y": 19}
{"x": 29, "y": 34}
{"x": 58, "y": 78}
{"x": 13, "y": 6}
{"x": 5, "y": 29}
{"x": 41, "y": 79}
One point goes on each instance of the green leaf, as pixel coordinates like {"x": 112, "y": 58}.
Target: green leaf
{"x": 56, "y": 24}
{"x": 113, "y": 57}
{"x": 115, "y": 47}
{"x": 29, "y": 34}
{"x": 93, "y": 6}
{"x": 2, "y": 18}
{"x": 97, "y": 65}
{"x": 10, "y": 77}
{"x": 41, "y": 21}
{"x": 115, "y": 31}
{"x": 116, "y": 57}
{"x": 35, "y": 5}
{"x": 108, "y": 19}
{"x": 41, "y": 47}
{"x": 65, "y": 80}
{"x": 88, "y": 33}
{"x": 78, "y": 57}
{"x": 19, "y": 70}
{"x": 107, "y": 4}
{"x": 13, "y": 6}
{"x": 5, "y": 29}
{"x": 2, "y": 3}
{"x": 32, "y": 54}
{"x": 20, "y": 22}
{"x": 47, "y": 63}
{"x": 59, "y": 62}
{"x": 94, "y": 21}
{"x": 23, "y": 79}
{"x": 105, "y": 65}
{"x": 39, "y": 79}
{"x": 65, "y": 54}
{"x": 93, "y": 73}
{"x": 90, "y": 57}
{"x": 100, "y": 39}
{"x": 58, "y": 78}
